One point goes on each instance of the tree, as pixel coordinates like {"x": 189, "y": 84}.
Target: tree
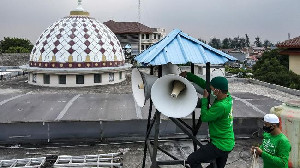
{"x": 226, "y": 43}
{"x": 202, "y": 40}
{"x": 12, "y": 44}
{"x": 257, "y": 42}
{"x": 216, "y": 43}
{"x": 17, "y": 50}
{"x": 267, "y": 44}
{"x": 247, "y": 41}
{"x": 242, "y": 42}
{"x": 273, "y": 68}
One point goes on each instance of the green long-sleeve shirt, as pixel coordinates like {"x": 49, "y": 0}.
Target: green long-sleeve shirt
{"x": 276, "y": 151}
{"x": 219, "y": 116}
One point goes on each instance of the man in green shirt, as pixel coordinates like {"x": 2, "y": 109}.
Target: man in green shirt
{"x": 219, "y": 117}
{"x": 275, "y": 148}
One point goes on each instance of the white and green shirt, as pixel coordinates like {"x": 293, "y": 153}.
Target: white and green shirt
{"x": 276, "y": 150}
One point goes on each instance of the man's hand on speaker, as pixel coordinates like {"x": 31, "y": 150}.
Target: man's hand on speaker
{"x": 183, "y": 74}
{"x": 205, "y": 94}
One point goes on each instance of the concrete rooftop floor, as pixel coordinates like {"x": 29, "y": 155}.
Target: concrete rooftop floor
{"x": 27, "y": 101}
{"x": 132, "y": 151}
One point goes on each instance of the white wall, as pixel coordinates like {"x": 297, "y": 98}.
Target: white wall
{"x": 71, "y": 79}
{"x": 214, "y": 71}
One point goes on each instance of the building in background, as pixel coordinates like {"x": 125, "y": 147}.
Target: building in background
{"x": 76, "y": 51}
{"x": 139, "y": 36}
{"x": 292, "y": 49}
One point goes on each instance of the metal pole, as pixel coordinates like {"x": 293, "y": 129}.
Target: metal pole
{"x": 186, "y": 131}
{"x": 155, "y": 143}
{"x": 157, "y": 123}
{"x": 148, "y": 126}
{"x": 185, "y": 124}
{"x": 208, "y": 98}
{"x": 167, "y": 153}
{"x": 208, "y": 82}
{"x": 193, "y": 114}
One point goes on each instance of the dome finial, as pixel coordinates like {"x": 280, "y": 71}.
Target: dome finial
{"x": 79, "y": 7}
{"x": 79, "y": 10}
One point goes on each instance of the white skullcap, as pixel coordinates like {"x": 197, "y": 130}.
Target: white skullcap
{"x": 271, "y": 118}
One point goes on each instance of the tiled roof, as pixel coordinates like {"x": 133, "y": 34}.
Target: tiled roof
{"x": 127, "y": 27}
{"x": 292, "y": 43}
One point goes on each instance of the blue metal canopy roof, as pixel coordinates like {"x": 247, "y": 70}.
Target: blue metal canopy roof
{"x": 180, "y": 48}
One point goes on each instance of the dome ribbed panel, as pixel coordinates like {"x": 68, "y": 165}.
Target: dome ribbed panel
{"x": 79, "y": 37}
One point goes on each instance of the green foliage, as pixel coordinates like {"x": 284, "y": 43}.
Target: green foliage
{"x": 237, "y": 42}
{"x": 241, "y": 72}
{"x": 216, "y": 43}
{"x": 9, "y": 45}
{"x": 17, "y": 50}
{"x": 273, "y": 68}
{"x": 267, "y": 44}
{"x": 202, "y": 40}
{"x": 257, "y": 42}
{"x": 226, "y": 43}
{"x": 247, "y": 41}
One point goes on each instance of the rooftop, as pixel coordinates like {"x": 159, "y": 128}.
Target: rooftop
{"x": 250, "y": 100}
{"x": 127, "y": 27}
{"x": 132, "y": 151}
{"x": 292, "y": 43}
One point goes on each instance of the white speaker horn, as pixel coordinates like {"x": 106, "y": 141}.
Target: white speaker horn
{"x": 170, "y": 69}
{"x": 141, "y": 84}
{"x": 180, "y": 105}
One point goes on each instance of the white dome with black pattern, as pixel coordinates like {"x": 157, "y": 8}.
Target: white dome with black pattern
{"x": 77, "y": 41}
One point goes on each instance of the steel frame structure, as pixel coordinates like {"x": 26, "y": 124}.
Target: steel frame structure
{"x": 190, "y": 131}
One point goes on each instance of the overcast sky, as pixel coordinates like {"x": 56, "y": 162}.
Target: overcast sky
{"x": 268, "y": 19}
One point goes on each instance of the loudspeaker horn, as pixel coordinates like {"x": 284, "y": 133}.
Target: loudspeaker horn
{"x": 141, "y": 84}
{"x": 170, "y": 68}
{"x": 174, "y": 96}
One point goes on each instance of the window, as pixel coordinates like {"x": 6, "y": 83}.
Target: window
{"x": 79, "y": 79}
{"x": 158, "y": 36}
{"x": 62, "y": 79}
{"x": 135, "y": 36}
{"x": 147, "y": 46}
{"x": 200, "y": 70}
{"x": 97, "y": 78}
{"x": 154, "y": 36}
{"x": 143, "y": 36}
{"x": 120, "y": 75}
{"x": 46, "y": 79}
{"x": 123, "y": 36}
{"x": 111, "y": 77}
{"x": 143, "y": 47}
{"x": 34, "y": 78}
{"x": 147, "y": 36}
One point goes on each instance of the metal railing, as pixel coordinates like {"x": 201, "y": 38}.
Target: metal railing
{"x": 27, "y": 162}
{"x": 100, "y": 160}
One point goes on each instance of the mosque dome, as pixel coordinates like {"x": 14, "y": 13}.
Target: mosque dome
{"x": 77, "y": 41}
{"x": 76, "y": 51}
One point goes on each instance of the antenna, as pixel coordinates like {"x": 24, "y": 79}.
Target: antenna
{"x": 139, "y": 11}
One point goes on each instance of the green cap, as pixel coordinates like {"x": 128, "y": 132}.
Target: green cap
{"x": 219, "y": 82}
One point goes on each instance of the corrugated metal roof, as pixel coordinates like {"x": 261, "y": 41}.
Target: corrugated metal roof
{"x": 180, "y": 48}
